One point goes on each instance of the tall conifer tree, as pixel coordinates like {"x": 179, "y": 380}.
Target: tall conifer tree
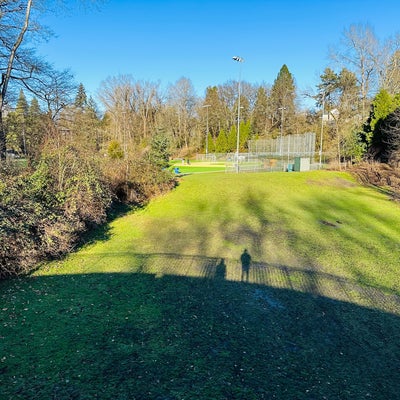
{"x": 261, "y": 117}
{"x": 283, "y": 95}
{"x": 81, "y": 100}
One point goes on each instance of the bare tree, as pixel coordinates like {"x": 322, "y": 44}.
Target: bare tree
{"x": 228, "y": 94}
{"x": 390, "y": 73}
{"x": 182, "y": 97}
{"x": 19, "y": 23}
{"x": 116, "y": 94}
{"x": 360, "y": 52}
{"x": 338, "y": 93}
{"x": 133, "y": 106}
{"x": 14, "y": 24}
{"x": 148, "y": 102}
{"x": 54, "y": 88}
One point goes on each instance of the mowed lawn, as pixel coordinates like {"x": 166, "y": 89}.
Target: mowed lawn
{"x": 155, "y": 306}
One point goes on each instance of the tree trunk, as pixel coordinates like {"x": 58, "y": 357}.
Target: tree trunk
{"x": 7, "y": 75}
{"x": 2, "y": 137}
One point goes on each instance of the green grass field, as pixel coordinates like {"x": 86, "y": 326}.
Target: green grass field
{"x": 198, "y": 167}
{"x": 154, "y": 307}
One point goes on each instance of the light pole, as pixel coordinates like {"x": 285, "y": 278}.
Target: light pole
{"x": 322, "y": 130}
{"x": 280, "y": 142}
{"x": 207, "y": 106}
{"x": 239, "y": 60}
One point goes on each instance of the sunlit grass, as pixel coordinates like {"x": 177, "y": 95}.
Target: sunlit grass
{"x": 319, "y": 220}
{"x": 198, "y": 166}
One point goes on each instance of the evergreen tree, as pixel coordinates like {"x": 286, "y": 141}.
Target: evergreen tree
{"x": 377, "y": 127}
{"x": 245, "y": 135}
{"x": 81, "y": 100}
{"x": 215, "y": 110}
{"x": 232, "y": 139}
{"x": 387, "y": 149}
{"x": 92, "y": 107}
{"x": 159, "y": 153}
{"x": 34, "y": 136}
{"x": 283, "y": 95}
{"x": 221, "y": 143}
{"x": 261, "y": 115}
{"x": 22, "y": 104}
{"x": 211, "y": 143}
{"x": 82, "y": 125}
{"x": 382, "y": 106}
{"x": 349, "y": 99}
{"x": 17, "y": 125}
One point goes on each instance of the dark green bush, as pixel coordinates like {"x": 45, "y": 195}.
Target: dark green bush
{"x": 43, "y": 212}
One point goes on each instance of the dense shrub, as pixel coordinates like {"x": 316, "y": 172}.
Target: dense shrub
{"x": 138, "y": 177}
{"x": 137, "y": 180}
{"x": 21, "y": 214}
{"x": 77, "y": 183}
{"x": 44, "y": 211}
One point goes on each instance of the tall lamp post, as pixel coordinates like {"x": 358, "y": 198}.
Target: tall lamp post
{"x": 281, "y": 134}
{"x": 207, "y": 106}
{"x": 322, "y": 130}
{"x": 239, "y": 60}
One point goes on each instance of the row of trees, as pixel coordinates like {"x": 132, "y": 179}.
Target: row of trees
{"x": 135, "y": 111}
{"x": 360, "y": 97}
{"x": 20, "y": 66}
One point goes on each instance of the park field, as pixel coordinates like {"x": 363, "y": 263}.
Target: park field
{"x": 155, "y": 305}
{"x": 195, "y": 167}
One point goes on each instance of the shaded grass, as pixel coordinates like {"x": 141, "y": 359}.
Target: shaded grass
{"x": 134, "y": 336}
{"x": 156, "y": 309}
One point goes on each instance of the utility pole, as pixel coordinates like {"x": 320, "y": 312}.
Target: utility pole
{"x": 207, "y": 106}
{"x": 239, "y": 60}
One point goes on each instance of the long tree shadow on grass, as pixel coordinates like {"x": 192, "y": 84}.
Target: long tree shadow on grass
{"x": 138, "y": 336}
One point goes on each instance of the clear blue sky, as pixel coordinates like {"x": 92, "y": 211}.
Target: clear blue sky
{"x": 156, "y": 40}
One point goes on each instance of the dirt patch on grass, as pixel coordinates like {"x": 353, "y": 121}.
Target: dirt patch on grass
{"x": 332, "y": 224}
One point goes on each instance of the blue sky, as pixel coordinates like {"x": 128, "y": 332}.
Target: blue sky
{"x": 156, "y": 40}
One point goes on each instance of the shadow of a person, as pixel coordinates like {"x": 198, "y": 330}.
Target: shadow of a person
{"x": 245, "y": 259}
{"x": 220, "y": 270}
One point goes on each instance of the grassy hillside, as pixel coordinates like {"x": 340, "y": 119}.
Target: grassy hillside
{"x": 319, "y": 221}
{"x": 155, "y": 307}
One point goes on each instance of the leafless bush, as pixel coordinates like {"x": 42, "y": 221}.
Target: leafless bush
{"x": 381, "y": 175}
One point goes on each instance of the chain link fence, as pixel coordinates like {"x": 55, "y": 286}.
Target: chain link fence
{"x": 284, "y": 153}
